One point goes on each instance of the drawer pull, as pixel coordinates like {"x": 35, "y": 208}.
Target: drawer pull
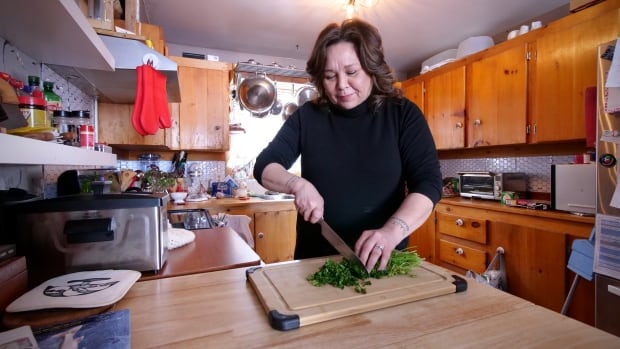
{"x": 459, "y": 251}
{"x": 475, "y": 224}
{"x": 459, "y": 222}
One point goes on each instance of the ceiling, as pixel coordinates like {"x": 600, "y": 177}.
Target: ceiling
{"x": 412, "y": 30}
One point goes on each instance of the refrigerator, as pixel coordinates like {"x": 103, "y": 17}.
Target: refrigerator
{"x": 606, "y": 264}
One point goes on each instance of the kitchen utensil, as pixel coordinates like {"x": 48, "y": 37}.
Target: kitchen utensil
{"x": 257, "y": 94}
{"x": 306, "y": 93}
{"x": 336, "y": 241}
{"x": 291, "y": 301}
{"x": 289, "y": 109}
{"x": 277, "y": 107}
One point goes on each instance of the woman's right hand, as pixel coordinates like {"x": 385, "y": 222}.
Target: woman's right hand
{"x": 308, "y": 201}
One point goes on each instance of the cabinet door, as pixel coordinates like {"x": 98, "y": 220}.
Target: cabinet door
{"x": 114, "y": 127}
{"x": 275, "y": 235}
{"x": 535, "y": 262}
{"x": 203, "y": 111}
{"x": 564, "y": 63}
{"x": 445, "y": 108}
{"x": 414, "y": 91}
{"x": 422, "y": 239}
{"x": 497, "y": 99}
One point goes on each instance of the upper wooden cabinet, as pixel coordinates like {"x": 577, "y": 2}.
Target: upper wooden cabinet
{"x": 563, "y": 66}
{"x": 497, "y": 98}
{"x": 199, "y": 122}
{"x": 414, "y": 91}
{"x": 530, "y": 89}
{"x": 445, "y": 108}
{"x": 204, "y": 108}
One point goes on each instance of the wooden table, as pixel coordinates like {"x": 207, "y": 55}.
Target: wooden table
{"x": 213, "y": 249}
{"x": 221, "y": 310}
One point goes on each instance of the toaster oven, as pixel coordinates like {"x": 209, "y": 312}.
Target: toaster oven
{"x": 91, "y": 232}
{"x": 489, "y": 185}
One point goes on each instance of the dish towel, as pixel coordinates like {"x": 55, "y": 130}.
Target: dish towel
{"x": 241, "y": 224}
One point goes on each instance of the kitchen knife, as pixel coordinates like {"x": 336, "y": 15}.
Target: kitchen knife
{"x": 336, "y": 241}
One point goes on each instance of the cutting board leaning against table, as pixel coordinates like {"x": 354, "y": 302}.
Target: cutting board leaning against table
{"x": 291, "y": 301}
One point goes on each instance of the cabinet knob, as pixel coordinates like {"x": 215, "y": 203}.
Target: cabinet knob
{"x": 459, "y": 222}
{"x": 260, "y": 235}
{"x": 217, "y": 128}
{"x": 459, "y": 125}
{"x": 477, "y": 122}
{"x": 459, "y": 251}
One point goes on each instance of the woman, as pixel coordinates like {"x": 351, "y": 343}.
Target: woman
{"x": 369, "y": 166}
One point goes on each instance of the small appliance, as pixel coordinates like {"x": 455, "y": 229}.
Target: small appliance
{"x": 90, "y": 232}
{"x": 573, "y": 188}
{"x": 490, "y": 185}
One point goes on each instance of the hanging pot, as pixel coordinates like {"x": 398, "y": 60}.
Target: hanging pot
{"x": 257, "y": 94}
{"x": 306, "y": 93}
{"x": 261, "y": 115}
{"x": 289, "y": 109}
{"x": 277, "y": 108}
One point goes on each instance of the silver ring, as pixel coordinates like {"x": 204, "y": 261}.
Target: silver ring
{"x": 381, "y": 247}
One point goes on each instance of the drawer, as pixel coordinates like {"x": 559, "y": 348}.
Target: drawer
{"x": 462, "y": 256}
{"x": 472, "y": 229}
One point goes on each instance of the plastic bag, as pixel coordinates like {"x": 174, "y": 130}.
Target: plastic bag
{"x": 495, "y": 274}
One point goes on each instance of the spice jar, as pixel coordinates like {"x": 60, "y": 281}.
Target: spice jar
{"x": 85, "y": 130}
{"x": 33, "y": 110}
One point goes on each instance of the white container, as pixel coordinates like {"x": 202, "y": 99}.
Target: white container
{"x": 473, "y": 44}
{"x": 438, "y": 60}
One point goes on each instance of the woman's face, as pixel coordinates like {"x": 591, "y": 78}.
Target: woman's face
{"x": 346, "y": 84}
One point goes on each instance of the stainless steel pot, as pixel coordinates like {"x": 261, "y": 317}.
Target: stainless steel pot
{"x": 257, "y": 94}
{"x": 289, "y": 109}
{"x": 306, "y": 93}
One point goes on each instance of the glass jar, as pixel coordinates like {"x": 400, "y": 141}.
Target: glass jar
{"x": 148, "y": 161}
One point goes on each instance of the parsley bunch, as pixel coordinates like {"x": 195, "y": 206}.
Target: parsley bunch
{"x": 346, "y": 273}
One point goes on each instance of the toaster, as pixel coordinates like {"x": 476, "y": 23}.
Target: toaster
{"x": 91, "y": 232}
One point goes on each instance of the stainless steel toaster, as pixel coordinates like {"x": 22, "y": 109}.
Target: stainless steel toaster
{"x": 90, "y": 232}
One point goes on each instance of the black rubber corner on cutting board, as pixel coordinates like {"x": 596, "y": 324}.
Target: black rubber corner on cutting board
{"x": 460, "y": 283}
{"x": 283, "y": 322}
{"x": 250, "y": 271}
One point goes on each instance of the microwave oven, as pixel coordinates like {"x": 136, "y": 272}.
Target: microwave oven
{"x": 489, "y": 185}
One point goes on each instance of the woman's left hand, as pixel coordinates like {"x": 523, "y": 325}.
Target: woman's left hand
{"x": 376, "y": 245}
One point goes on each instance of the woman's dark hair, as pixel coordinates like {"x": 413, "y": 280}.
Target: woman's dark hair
{"x": 368, "y": 45}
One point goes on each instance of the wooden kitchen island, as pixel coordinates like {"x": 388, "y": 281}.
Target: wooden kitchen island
{"x": 221, "y": 310}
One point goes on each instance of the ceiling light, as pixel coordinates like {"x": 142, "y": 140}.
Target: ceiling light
{"x": 351, "y": 6}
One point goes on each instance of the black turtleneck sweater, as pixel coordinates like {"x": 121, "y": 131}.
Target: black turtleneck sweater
{"x": 362, "y": 163}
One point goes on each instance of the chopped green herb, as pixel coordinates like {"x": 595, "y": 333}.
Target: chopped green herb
{"x": 346, "y": 273}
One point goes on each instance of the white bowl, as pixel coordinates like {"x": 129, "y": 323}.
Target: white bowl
{"x": 178, "y": 196}
{"x": 473, "y": 44}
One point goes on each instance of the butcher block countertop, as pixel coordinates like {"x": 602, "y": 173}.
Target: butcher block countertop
{"x": 213, "y": 249}
{"x": 221, "y": 310}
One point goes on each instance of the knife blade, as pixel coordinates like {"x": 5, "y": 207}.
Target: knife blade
{"x": 336, "y": 241}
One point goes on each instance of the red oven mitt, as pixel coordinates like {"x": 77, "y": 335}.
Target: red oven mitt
{"x": 148, "y": 116}
{"x": 161, "y": 99}
{"x": 137, "y": 107}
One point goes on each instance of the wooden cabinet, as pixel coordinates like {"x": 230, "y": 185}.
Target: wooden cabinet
{"x": 536, "y": 248}
{"x": 273, "y": 226}
{"x": 199, "y": 122}
{"x": 422, "y": 240}
{"x": 497, "y": 98}
{"x": 445, "y": 108}
{"x": 414, "y": 91}
{"x": 530, "y": 89}
{"x": 563, "y": 65}
{"x": 204, "y": 107}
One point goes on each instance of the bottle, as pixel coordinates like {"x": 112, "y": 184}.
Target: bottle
{"x": 53, "y": 102}
{"x": 35, "y": 86}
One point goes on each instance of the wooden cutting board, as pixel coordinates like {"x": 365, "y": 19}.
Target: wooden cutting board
{"x": 291, "y": 301}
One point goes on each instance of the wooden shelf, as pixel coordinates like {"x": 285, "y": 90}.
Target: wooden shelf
{"x": 54, "y": 32}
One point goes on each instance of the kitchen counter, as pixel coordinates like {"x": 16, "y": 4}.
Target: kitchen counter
{"x": 213, "y": 249}
{"x": 252, "y": 203}
{"x": 221, "y": 310}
